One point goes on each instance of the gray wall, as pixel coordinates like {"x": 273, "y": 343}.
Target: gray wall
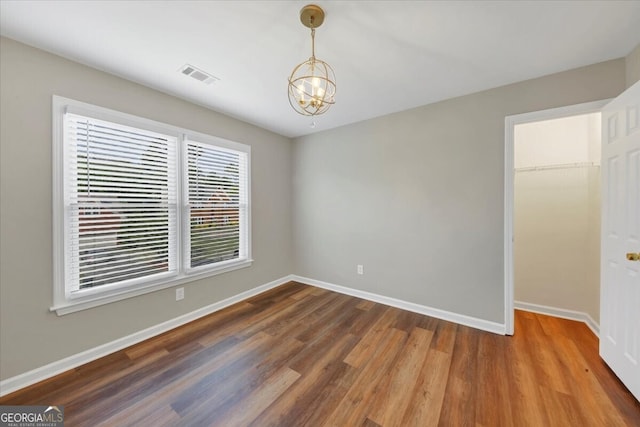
{"x": 417, "y": 196}
{"x": 31, "y": 336}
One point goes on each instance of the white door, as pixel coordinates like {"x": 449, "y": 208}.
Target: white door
{"x": 620, "y": 265}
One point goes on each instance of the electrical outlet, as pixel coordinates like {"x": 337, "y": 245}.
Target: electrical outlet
{"x": 360, "y": 269}
{"x": 179, "y": 294}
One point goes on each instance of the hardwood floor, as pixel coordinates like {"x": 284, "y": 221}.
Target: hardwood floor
{"x": 303, "y": 356}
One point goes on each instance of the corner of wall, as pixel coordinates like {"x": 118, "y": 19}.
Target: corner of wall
{"x": 632, "y": 65}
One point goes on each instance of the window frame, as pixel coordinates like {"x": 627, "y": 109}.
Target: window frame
{"x": 63, "y": 302}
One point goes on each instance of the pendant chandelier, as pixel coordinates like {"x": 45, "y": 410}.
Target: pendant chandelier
{"x": 312, "y": 84}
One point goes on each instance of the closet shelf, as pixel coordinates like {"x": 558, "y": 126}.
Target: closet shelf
{"x": 559, "y": 166}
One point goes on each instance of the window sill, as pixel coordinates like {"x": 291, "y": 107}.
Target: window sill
{"x": 68, "y": 306}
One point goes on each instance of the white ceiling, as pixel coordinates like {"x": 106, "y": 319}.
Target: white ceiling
{"x": 388, "y": 55}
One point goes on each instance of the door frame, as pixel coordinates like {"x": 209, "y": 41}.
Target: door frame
{"x": 509, "y": 177}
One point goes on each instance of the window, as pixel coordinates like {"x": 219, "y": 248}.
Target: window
{"x": 217, "y": 204}
{"x": 141, "y": 206}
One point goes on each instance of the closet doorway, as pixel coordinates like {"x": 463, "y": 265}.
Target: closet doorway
{"x": 552, "y": 212}
{"x": 557, "y": 217}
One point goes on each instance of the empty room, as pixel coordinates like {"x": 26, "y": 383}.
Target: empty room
{"x": 340, "y": 213}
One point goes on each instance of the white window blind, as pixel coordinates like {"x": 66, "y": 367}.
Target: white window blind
{"x": 140, "y": 205}
{"x": 217, "y": 204}
{"x": 121, "y": 201}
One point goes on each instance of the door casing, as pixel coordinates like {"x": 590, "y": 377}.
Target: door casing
{"x": 509, "y": 177}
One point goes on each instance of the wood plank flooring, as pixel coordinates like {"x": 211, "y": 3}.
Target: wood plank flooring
{"x": 303, "y": 356}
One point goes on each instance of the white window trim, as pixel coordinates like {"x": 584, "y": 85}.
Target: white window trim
{"x": 95, "y": 297}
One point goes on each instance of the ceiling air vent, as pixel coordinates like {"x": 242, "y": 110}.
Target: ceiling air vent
{"x": 198, "y": 74}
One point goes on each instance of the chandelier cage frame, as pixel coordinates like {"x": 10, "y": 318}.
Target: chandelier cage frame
{"x": 312, "y": 84}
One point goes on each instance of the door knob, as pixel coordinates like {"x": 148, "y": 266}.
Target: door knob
{"x": 633, "y": 256}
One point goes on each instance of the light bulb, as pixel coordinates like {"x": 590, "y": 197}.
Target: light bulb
{"x": 315, "y": 86}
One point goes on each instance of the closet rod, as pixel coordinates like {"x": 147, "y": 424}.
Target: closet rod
{"x": 562, "y": 166}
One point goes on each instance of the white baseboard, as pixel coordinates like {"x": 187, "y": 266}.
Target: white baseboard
{"x": 485, "y": 325}
{"x": 31, "y": 377}
{"x": 560, "y": 312}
